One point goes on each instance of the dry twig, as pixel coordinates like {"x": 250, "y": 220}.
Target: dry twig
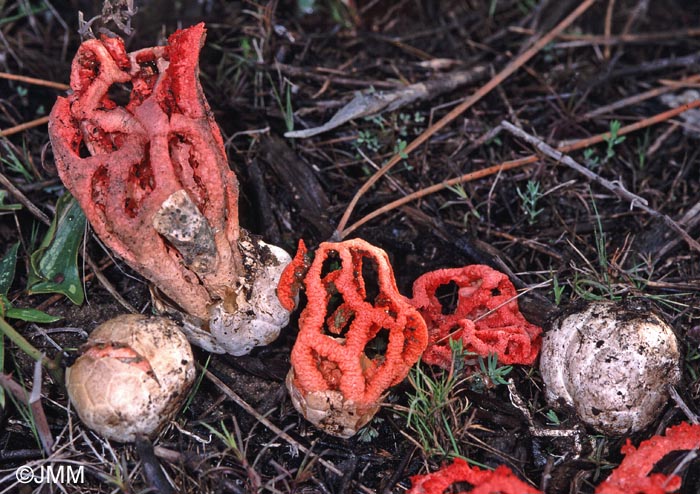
{"x": 24, "y": 126}
{"x": 32, "y": 400}
{"x": 33, "y": 80}
{"x": 17, "y": 194}
{"x": 616, "y": 188}
{"x": 279, "y": 432}
{"x": 608, "y": 26}
{"x": 512, "y": 164}
{"x": 582, "y": 40}
{"x": 509, "y": 69}
{"x": 637, "y": 98}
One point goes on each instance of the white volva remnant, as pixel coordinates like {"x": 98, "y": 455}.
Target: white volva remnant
{"x": 259, "y": 316}
{"x": 246, "y": 312}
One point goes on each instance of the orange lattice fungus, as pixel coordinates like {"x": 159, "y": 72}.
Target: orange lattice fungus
{"x": 358, "y": 335}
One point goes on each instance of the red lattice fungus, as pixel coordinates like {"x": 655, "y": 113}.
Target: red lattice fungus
{"x": 486, "y": 316}
{"x": 502, "y": 480}
{"x": 634, "y": 476}
{"x": 153, "y": 180}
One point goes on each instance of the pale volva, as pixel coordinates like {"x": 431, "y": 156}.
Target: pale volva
{"x": 132, "y": 376}
{"x": 612, "y": 362}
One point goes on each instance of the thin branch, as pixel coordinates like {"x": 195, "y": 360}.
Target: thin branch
{"x": 19, "y": 195}
{"x": 583, "y": 40}
{"x": 608, "y": 27}
{"x": 615, "y": 187}
{"x": 37, "y": 408}
{"x": 279, "y": 432}
{"x": 509, "y": 69}
{"x": 512, "y": 164}
{"x": 29, "y": 349}
{"x": 34, "y": 80}
{"x": 544, "y": 148}
{"x": 107, "y": 285}
{"x": 25, "y": 126}
{"x": 637, "y": 98}
{"x": 33, "y": 404}
{"x": 689, "y": 414}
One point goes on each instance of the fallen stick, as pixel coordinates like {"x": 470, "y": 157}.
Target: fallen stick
{"x": 495, "y": 81}
{"x": 615, "y": 187}
{"x": 33, "y": 80}
{"x": 24, "y": 126}
{"x": 520, "y": 162}
{"x": 279, "y": 432}
{"x": 373, "y": 103}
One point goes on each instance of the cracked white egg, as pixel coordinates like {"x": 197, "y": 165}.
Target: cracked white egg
{"x": 613, "y": 363}
{"x": 132, "y": 376}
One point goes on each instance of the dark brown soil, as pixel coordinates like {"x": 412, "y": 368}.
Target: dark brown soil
{"x": 579, "y": 233}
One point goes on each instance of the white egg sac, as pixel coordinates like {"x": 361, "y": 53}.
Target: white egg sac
{"x": 613, "y": 363}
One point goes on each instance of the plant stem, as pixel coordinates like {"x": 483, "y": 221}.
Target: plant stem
{"x": 51, "y": 365}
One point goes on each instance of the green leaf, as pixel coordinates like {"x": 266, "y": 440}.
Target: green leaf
{"x": 7, "y": 207}
{"x": 7, "y": 268}
{"x": 306, "y": 6}
{"x": 54, "y": 265}
{"x": 2, "y": 369}
{"x": 30, "y": 315}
